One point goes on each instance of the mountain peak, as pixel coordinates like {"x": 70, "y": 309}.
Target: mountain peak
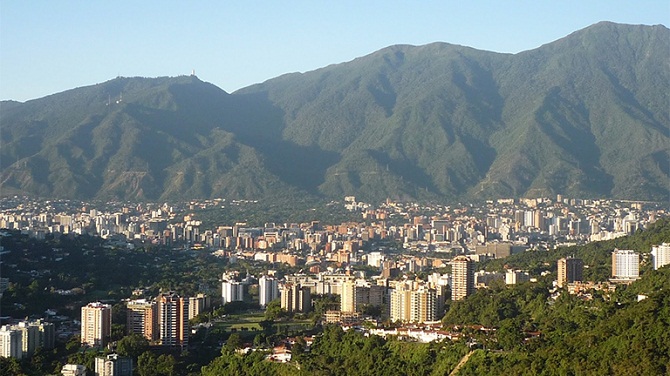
{"x": 584, "y": 116}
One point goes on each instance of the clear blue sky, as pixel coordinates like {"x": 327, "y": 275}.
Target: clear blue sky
{"x": 51, "y": 46}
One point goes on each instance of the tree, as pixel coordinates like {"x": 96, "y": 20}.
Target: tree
{"x": 273, "y": 310}
{"x": 509, "y": 334}
{"x": 146, "y": 364}
{"x": 10, "y": 367}
{"x": 233, "y": 343}
{"x": 132, "y": 346}
{"x": 165, "y": 365}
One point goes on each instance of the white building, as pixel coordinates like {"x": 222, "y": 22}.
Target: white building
{"x": 113, "y": 365}
{"x": 11, "y": 342}
{"x": 232, "y": 291}
{"x": 375, "y": 259}
{"x": 625, "y": 264}
{"x": 513, "y": 277}
{"x": 73, "y": 370}
{"x": 268, "y": 290}
{"x": 660, "y": 255}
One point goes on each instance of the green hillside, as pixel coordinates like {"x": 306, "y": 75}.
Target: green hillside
{"x": 584, "y": 116}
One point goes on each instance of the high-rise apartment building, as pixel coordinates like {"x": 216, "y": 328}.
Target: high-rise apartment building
{"x": 400, "y": 299}
{"x": 173, "y": 320}
{"x": 113, "y": 365}
{"x": 625, "y": 265}
{"x": 348, "y": 296}
{"x": 569, "y": 270}
{"x": 660, "y": 255}
{"x": 463, "y": 277}
{"x": 268, "y": 290}
{"x": 31, "y": 337}
{"x": 423, "y": 305}
{"x": 232, "y": 291}
{"x": 142, "y": 319}
{"x": 296, "y": 298}
{"x": 198, "y": 304}
{"x": 96, "y": 324}
{"x": 11, "y": 342}
{"x": 413, "y": 303}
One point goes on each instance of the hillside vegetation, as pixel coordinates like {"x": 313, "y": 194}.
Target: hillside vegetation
{"x": 583, "y": 116}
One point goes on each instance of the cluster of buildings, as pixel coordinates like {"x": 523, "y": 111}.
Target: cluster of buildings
{"x": 625, "y": 267}
{"x": 22, "y": 339}
{"x": 514, "y": 222}
{"x": 431, "y": 236}
{"x": 403, "y": 300}
{"x": 162, "y": 321}
{"x": 108, "y": 365}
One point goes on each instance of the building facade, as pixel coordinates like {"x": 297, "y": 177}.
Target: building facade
{"x": 142, "y": 319}
{"x": 232, "y": 291}
{"x": 11, "y": 342}
{"x": 625, "y": 265}
{"x": 198, "y": 304}
{"x": 173, "y": 320}
{"x": 113, "y": 365}
{"x": 96, "y": 324}
{"x": 73, "y": 370}
{"x": 569, "y": 270}
{"x": 660, "y": 255}
{"x": 268, "y": 290}
{"x": 296, "y": 298}
{"x": 513, "y": 277}
{"x": 463, "y": 277}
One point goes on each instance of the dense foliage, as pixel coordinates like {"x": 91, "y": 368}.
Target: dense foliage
{"x": 336, "y": 352}
{"x": 616, "y": 336}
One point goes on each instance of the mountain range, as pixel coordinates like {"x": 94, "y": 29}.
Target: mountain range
{"x": 585, "y": 116}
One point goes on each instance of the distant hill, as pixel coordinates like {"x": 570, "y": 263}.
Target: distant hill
{"x": 586, "y": 116}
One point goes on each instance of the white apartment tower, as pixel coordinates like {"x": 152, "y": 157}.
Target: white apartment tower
{"x": 11, "y": 342}
{"x": 268, "y": 290}
{"x": 96, "y": 324}
{"x": 660, "y": 255}
{"x": 232, "y": 291}
{"x": 625, "y": 264}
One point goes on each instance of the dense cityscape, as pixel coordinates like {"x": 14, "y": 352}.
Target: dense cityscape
{"x": 391, "y": 273}
{"x": 343, "y": 189}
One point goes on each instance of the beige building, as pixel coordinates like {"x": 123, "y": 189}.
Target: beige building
{"x": 410, "y": 302}
{"x": 463, "y": 277}
{"x": 142, "y": 318}
{"x": 198, "y": 304}
{"x": 295, "y": 298}
{"x": 96, "y": 324}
